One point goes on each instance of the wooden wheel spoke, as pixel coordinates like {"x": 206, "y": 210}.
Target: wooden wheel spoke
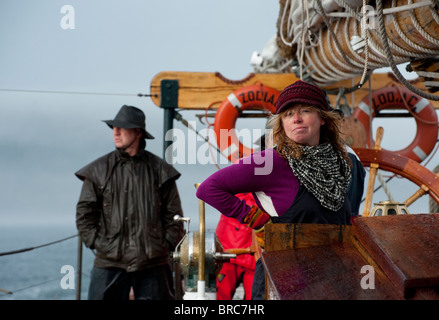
{"x": 418, "y": 194}
{"x": 372, "y": 175}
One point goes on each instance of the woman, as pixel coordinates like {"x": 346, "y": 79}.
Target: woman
{"x": 308, "y": 175}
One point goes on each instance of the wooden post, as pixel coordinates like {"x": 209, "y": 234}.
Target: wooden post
{"x": 79, "y": 270}
{"x": 372, "y": 175}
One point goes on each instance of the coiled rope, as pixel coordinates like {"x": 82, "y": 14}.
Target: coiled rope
{"x": 375, "y": 56}
{"x": 391, "y": 60}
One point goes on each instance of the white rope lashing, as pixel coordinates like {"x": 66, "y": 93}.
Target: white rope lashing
{"x": 385, "y": 186}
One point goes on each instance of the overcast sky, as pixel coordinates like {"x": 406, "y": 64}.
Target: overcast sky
{"x": 117, "y": 47}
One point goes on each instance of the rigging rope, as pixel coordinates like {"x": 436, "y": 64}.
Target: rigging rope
{"x": 36, "y": 247}
{"x": 78, "y": 92}
{"x": 384, "y": 185}
{"x": 365, "y": 35}
{"x": 180, "y": 118}
{"x": 8, "y": 292}
{"x": 380, "y": 186}
{"x": 28, "y": 287}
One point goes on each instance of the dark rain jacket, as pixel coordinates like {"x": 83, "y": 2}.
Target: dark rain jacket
{"x": 126, "y": 209}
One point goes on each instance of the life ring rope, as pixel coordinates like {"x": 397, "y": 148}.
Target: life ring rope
{"x": 418, "y": 107}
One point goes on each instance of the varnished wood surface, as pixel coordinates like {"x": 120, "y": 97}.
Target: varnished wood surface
{"x": 321, "y": 273}
{"x": 309, "y": 261}
{"x": 406, "y": 247}
{"x": 201, "y": 90}
{"x": 284, "y": 236}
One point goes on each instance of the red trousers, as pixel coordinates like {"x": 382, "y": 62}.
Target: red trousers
{"x": 228, "y": 277}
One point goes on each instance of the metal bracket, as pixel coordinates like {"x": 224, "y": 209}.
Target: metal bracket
{"x": 169, "y": 94}
{"x": 169, "y": 102}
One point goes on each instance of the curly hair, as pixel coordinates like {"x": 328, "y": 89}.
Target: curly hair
{"x": 329, "y": 132}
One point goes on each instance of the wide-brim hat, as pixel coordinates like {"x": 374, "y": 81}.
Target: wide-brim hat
{"x": 130, "y": 117}
{"x": 304, "y": 93}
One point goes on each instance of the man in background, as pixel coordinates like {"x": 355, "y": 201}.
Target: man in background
{"x": 125, "y": 213}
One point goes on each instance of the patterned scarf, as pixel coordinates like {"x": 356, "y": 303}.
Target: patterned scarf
{"x": 324, "y": 173}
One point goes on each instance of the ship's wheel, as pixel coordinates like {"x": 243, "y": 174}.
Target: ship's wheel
{"x": 427, "y": 181}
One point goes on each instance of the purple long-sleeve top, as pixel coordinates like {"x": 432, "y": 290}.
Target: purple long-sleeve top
{"x": 266, "y": 174}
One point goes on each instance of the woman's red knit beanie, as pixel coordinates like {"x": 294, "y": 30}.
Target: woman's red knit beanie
{"x": 302, "y": 92}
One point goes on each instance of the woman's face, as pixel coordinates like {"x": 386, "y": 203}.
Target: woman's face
{"x": 302, "y": 124}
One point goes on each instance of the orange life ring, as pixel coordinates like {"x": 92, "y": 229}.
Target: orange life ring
{"x": 423, "y": 111}
{"x": 254, "y": 97}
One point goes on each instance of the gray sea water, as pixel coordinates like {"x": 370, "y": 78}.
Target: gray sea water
{"x": 45, "y": 273}
{"x": 38, "y": 274}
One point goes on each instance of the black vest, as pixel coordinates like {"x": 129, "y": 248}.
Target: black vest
{"x": 307, "y": 209}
